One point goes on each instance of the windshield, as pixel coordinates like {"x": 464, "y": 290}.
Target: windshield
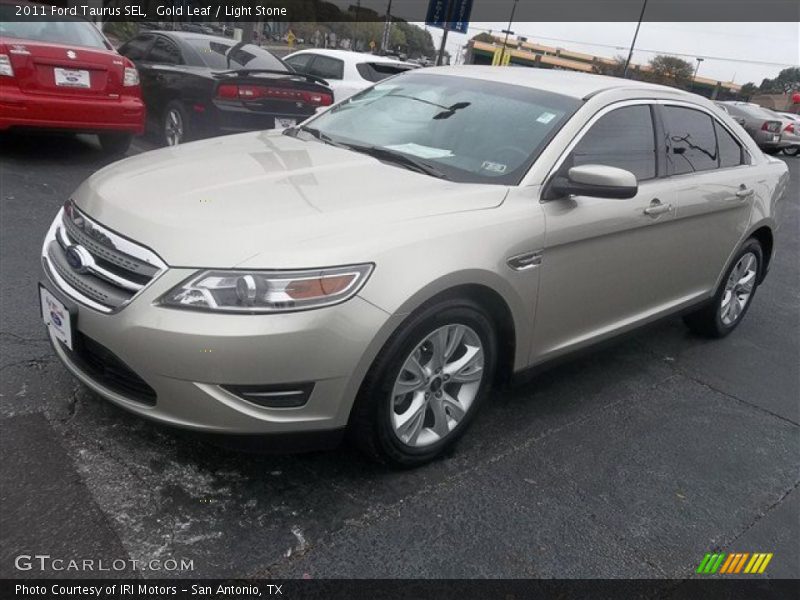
{"x": 46, "y": 29}
{"x": 467, "y": 130}
{"x": 223, "y": 56}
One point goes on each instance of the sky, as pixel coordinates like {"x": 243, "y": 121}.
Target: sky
{"x": 738, "y": 52}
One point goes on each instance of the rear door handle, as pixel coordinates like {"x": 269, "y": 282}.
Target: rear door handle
{"x": 656, "y": 208}
{"x": 744, "y": 192}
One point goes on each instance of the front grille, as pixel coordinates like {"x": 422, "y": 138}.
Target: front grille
{"x": 99, "y": 363}
{"x": 95, "y": 266}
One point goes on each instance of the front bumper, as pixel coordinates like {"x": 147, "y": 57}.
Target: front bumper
{"x": 186, "y": 356}
{"x": 82, "y": 115}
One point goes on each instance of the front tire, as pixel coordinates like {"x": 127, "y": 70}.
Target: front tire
{"x": 734, "y": 295}
{"x": 426, "y": 385}
{"x": 115, "y": 143}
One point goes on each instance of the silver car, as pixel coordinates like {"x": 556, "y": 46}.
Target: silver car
{"x": 763, "y": 125}
{"x": 376, "y": 270}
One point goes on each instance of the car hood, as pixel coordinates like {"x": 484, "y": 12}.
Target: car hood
{"x": 269, "y": 200}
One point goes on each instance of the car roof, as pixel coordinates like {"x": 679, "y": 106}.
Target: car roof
{"x": 349, "y": 55}
{"x": 566, "y": 83}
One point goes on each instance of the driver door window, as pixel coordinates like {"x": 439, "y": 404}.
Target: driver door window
{"x": 623, "y": 138}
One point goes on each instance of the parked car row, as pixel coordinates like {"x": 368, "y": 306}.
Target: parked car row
{"x": 179, "y": 85}
{"x": 773, "y": 132}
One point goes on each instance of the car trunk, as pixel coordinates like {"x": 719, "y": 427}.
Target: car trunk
{"x": 55, "y": 69}
{"x": 273, "y": 94}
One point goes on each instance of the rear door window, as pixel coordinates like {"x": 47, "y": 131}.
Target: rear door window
{"x": 300, "y": 62}
{"x": 165, "y": 52}
{"x": 136, "y": 49}
{"x": 229, "y": 56}
{"x": 691, "y": 142}
{"x": 327, "y": 67}
{"x": 623, "y": 138}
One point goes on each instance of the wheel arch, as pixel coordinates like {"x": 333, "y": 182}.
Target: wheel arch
{"x": 766, "y": 238}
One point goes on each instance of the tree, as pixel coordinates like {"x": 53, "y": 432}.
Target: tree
{"x": 484, "y": 37}
{"x": 671, "y": 70}
{"x": 787, "y": 81}
{"x": 615, "y": 69}
{"x": 748, "y": 91}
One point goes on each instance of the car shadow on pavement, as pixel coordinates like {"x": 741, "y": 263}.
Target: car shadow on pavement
{"x": 61, "y": 149}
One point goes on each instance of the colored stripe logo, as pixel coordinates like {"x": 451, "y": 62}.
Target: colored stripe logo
{"x": 734, "y": 563}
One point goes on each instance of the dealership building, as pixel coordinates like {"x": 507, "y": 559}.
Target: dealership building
{"x": 519, "y": 52}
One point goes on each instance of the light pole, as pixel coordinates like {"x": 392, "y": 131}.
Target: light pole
{"x": 507, "y": 31}
{"x": 633, "y": 42}
{"x": 697, "y": 68}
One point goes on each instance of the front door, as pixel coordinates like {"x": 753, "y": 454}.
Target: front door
{"x": 604, "y": 259}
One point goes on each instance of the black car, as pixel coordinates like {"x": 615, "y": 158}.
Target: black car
{"x": 197, "y": 86}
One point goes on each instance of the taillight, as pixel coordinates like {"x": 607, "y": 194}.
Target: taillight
{"x": 131, "y": 77}
{"x": 790, "y": 128}
{"x": 771, "y": 126}
{"x": 257, "y": 92}
{"x": 5, "y": 66}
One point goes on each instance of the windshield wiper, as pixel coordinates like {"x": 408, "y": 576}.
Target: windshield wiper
{"x": 313, "y": 131}
{"x": 399, "y": 158}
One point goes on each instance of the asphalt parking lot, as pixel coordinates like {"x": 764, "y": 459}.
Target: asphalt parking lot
{"x": 631, "y": 462}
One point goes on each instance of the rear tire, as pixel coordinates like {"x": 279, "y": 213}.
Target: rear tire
{"x": 445, "y": 398}
{"x": 791, "y": 150}
{"x": 174, "y": 125}
{"x": 734, "y": 295}
{"x": 115, "y": 143}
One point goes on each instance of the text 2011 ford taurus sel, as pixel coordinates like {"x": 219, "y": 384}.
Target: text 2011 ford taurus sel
{"x": 377, "y": 269}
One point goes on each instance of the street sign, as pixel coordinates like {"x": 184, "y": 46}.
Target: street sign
{"x": 437, "y": 14}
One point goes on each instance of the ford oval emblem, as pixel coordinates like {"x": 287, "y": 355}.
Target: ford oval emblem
{"x": 75, "y": 259}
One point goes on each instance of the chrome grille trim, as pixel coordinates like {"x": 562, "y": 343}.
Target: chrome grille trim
{"x": 112, "y": 269}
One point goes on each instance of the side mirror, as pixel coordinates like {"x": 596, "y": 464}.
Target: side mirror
{"x": 600, "y": 181}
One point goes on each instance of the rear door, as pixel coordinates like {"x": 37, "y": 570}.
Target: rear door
{"x": 63, "y": 58}
{"x": 712, "y": 189}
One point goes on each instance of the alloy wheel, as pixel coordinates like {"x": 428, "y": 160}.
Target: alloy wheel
{"x": 173, "y": 127}
{"x": 738, "y": 289}
{"x": 437, "y": 385}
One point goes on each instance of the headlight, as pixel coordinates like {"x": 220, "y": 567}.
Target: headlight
{"x": 267, "y": 291}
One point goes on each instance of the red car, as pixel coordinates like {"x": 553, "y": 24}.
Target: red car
{"x": 64, "y": 75}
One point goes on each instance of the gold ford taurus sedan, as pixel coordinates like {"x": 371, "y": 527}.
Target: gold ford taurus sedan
{"x": 375, "y": 270}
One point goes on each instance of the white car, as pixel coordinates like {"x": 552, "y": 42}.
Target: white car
{"x": 346, "y": 72}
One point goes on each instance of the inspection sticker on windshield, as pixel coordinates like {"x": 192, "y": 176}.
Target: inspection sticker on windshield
{"x": 546, "y": 117}
{"x": 421, "y": 151}
{"x": 493, "y": 167}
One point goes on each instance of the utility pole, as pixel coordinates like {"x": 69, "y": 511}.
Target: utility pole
{"x": 507, "y": 32}
{"x": 633, "y": 42}
{"x": 448, "y": 15}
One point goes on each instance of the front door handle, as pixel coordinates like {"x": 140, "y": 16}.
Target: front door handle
{"x": 656, "y": 208}
{"x": 744, "y": 192}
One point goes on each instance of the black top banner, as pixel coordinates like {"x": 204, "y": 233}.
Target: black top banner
{"x": 322, "y": 11}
